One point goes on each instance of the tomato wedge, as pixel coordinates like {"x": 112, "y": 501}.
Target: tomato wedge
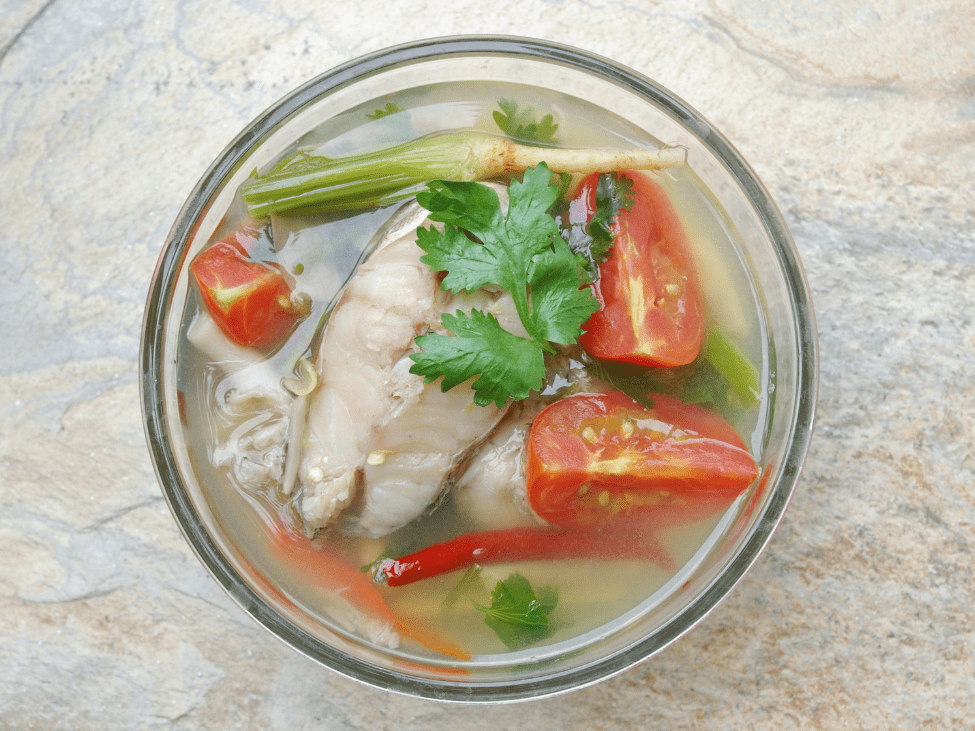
{"x": 250, "y": 301}
{"x": 596, "y": 458}
{"x": 651, "y": 307}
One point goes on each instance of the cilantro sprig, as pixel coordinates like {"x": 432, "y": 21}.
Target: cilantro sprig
{"x": 390, "y": 108}
{"x": 520, "y": 252}
{"x": 592, "y": 241}
{"x": 522, "y": 124}
{"x": 518, "y": 614}
{"x": 614, "y": 193}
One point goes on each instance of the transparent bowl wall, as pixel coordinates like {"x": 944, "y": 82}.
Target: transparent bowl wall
{"x": 766, "y": 247}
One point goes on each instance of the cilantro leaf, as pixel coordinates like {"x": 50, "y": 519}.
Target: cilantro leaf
{"x": 519, "y": 251}
{"x": 522, "y": 125}
{"x": 507, "y": 365}
{"x": 469, "y": 265}
{"x": 559, "y": 306}
{"x": 614, "y": 193}
{"x": 509, "y": 243}
{"x": 471, "y": 206}
{"x": 517, "y": 614}
{"x": 529, "y": 202}
{"x": 593, "y": 241}
{"x": 390, "y": 108}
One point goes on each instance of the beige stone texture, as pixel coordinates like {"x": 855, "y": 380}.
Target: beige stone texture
{"x": 858, "y": 115}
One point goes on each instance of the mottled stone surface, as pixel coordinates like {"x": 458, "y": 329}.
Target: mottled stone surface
{"x": 859, "y": 116}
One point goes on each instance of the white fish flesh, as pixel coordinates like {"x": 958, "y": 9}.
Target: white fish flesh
{"x": 490, "y": 489}
{"x": 380, "y": 443}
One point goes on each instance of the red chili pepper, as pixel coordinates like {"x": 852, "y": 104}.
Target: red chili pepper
{"x": 250, "y": 301}
{"x": 519, "y": 544}
{"x": 651, "y": 307}
{"x": 598, "y": 458}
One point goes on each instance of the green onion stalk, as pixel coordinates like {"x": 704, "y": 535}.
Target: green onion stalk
{"x": 314, "y": 184}
{"x": 726, "y": 359}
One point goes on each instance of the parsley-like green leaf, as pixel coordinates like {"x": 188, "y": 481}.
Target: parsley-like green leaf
{"x": 614, "y": 193}
{"x": 509, "y": 243}
{"x": 559, "y": 306}
{"x": 471, "y": 206}
{"x": 517, "y": 614}
{"x": 508, "y": 366}
{"x": 522, "y": 125}
{"x": 390, "y": 108}
{"x": 520, "y": 252}
{"x": 592, "y": 242}
{"x": 469, "y": 264}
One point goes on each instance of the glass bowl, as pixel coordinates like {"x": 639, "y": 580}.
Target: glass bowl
{"x": 596, "y": 98}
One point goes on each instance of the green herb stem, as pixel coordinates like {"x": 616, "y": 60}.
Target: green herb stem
{"x": 360, "y": 181}
{"x": 308, "y": 183}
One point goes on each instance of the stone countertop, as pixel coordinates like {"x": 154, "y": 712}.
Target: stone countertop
{"x": 859, "y": 116}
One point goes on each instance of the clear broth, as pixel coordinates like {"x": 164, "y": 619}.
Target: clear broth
{"x": 593, "y": 594}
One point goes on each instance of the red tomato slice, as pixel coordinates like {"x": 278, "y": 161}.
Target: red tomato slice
{"x": 595, "y": 458}
{"x": 651, "y": 308}
{"x": 250, "y": 301}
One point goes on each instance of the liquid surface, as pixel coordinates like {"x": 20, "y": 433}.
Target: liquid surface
{"x": 234, "y": 398}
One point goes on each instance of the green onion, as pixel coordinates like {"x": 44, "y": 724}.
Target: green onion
{"x": 741, "y": 375}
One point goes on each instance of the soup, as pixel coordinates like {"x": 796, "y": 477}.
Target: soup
{"x": 412, "y": 551}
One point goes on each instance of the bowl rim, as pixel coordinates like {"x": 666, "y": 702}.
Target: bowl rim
{"x": 153, "y": 343}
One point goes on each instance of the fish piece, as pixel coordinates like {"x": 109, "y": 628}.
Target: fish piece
{"x": 376, "y": 434}
{"x": 490, "y": 489}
